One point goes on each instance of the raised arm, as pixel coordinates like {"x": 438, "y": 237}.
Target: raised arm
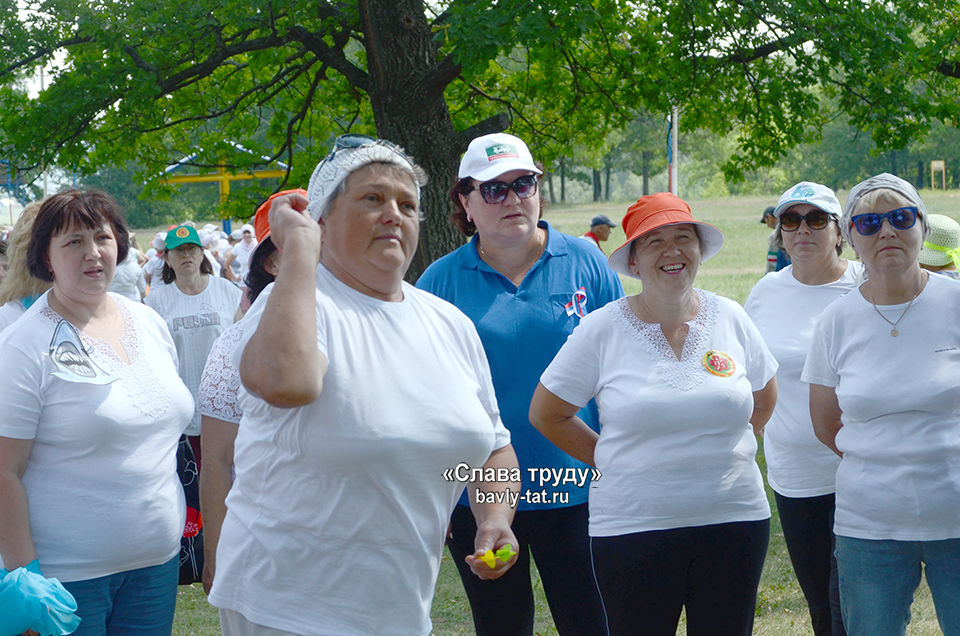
{"x": 557, "y": 420}
{"x": 281, "y": 362}
{"x": 825, "y": 413}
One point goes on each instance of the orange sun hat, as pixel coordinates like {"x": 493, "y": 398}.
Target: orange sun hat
{"x": 655, "y": 211}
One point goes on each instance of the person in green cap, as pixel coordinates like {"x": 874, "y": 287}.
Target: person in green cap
{"x": 196, "y": 306}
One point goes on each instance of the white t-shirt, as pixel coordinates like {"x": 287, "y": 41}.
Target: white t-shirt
{"x": 336, "y": 520}
{"x": 676, "y": 448}
{"x": 900, "y": 473}
{"x": 128, "y": 278}
{"x": 220, "y": 381}
{"x": 195, "y": 322}
{"x": 9, "y": 312}
{"x": 785, "y": 310}
{"x": 154, "y": 269}
{"x": 101, "y": 479}
{"x": 242, "y": 252}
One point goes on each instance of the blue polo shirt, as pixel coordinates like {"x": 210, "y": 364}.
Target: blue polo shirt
{"x": 522, "y": 328}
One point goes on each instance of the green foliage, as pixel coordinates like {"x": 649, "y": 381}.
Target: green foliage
{"x": 152, "y": 82}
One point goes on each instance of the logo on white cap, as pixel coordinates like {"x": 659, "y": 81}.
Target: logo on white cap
{"x": 501, "y": 151}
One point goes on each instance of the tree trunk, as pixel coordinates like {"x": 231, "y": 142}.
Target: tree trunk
{"x": 563, "y": 181}
{"x": 647, "y": 156}
{"x": 920, "y": 181}
{"x": 549, "y": 176}
{"x": 597, "y": 186}
{"x": 406, "y": 94}
{"x": 606, "y": 183}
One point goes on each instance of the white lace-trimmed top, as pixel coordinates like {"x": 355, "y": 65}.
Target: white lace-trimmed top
{"x": 686, "y": 373}
{"x": 138, "y": 379}
{"x": 676, "y": 448}
{"x": 220, "y": 382}
{"x": 101, "y": 479}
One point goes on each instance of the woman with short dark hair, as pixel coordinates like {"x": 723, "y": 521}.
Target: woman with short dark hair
{"x": 93, "y": 409}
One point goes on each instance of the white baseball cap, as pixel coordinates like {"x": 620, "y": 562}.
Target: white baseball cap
{"x": 808, "y": 192}
{"x": 491, "y": 155}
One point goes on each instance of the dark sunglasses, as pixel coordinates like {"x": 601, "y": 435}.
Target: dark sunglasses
{"x": 496, "y": 191}
{"x": 816, "y": 220}
{"x": 900, "y": 219}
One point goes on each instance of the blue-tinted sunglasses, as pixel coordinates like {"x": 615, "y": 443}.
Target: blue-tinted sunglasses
{"x": 900, "y": 219}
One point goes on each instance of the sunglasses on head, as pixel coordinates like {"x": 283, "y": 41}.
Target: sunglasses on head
{"x": 496, "y": 191}
{"x": 816, "y": 220}
{"x": 354, "y": 140}
{"x": 900, "y": 219}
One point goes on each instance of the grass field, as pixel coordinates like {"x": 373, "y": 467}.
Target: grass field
{"x": 781, "y": 609}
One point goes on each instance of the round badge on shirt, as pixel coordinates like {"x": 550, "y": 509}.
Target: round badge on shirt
{"x": 718, "y": 363}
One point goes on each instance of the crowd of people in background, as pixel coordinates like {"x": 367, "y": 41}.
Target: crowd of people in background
{"x": 337, "y": 426}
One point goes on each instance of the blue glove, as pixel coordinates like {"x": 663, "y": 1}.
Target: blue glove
{"x": 30, "y": 601}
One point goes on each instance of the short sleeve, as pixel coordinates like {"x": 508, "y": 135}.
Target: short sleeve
{"x": 574, "y": 373}
{"x": 251, "y": 321}
{"x": 761, "y": 366}
{"x": 21, "y": 391}
{"x": 220, "y": 381}
{"x": 819, "y": 367}
{"x": 488, "y": 397}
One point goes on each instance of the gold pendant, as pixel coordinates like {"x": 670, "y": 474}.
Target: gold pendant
{"x": 894, "y": 333}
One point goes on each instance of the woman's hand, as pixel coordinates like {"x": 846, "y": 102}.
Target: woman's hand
{"x": 289, "y": 222}
{"x": 492, "y": 535}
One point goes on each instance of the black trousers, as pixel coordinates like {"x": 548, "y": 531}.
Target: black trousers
{"x": 646, "y": 578}
{"x": 560, "y": 545}
{"x": 808, "y": 530}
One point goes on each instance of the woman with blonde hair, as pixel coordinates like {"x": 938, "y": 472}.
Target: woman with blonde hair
{"x": 884, "y": 376}
{"x": 20, "y": 288}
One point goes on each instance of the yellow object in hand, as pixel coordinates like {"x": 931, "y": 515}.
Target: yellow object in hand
{"x": 504, "y": 554}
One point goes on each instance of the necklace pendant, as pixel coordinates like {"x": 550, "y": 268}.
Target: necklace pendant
{"x": 894, "y": 333}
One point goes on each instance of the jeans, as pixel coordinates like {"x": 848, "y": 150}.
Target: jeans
{"x": 139, "y": 602}
{"x": 560, "y": 543}
{"x": 807, "y": 524}
{"x": 878, "y": 579}
{"x": 646, "y": 578}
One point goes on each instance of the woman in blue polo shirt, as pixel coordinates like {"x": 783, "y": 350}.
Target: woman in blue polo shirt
{"x": 525, "y": 286}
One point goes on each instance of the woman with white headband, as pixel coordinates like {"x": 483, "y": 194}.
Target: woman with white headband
{"x": 884, "y": 375}
{"x": 363, "y": 396}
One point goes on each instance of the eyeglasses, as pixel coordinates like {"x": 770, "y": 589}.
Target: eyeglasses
{"x": 816, "y": 220}
{"x": 900, "y": 219}
{"x": 496, "y": 191}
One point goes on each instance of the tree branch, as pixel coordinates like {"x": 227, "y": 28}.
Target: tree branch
{"x": 949, "y": 68}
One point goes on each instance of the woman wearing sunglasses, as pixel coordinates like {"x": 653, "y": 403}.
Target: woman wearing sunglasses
{"x": 884, "y": 375}
{"x": 785, "y": 306}
{"x": 525, "y": 286}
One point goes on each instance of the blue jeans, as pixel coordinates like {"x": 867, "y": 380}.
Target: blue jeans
{"x": 878, "y": 579}
{"x": 140, "y": 602}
